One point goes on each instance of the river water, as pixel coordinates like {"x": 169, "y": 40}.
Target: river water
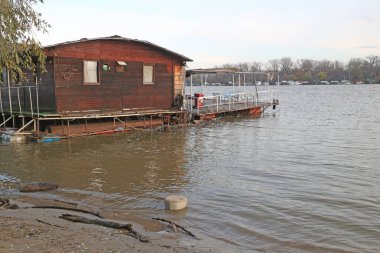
{"x": 305, "y": 179}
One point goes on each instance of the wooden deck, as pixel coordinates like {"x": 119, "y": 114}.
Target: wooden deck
{"x": 83, "y": 123}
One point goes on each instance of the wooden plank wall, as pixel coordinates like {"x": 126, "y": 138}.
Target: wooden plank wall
{"x": 46, "y": 89}
{"x": 117, "y": 90}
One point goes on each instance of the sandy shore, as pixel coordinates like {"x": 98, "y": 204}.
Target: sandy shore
{"x": 41, "y": 230}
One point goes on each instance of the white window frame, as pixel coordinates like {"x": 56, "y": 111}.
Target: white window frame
{"x": 94, "y": 72}
{"x": 148, "y": 78}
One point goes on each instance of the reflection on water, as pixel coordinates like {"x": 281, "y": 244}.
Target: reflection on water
{"x": 96, "y": 180}
{"x": 304, "y": 180}
{"x": 128, "y": 166}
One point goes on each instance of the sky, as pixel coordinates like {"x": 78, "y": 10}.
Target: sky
{"x": 214, "y": 32}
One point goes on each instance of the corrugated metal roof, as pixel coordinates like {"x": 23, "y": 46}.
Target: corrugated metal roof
{"x": 119, "y": 38}
{"x": 211, "y": 71}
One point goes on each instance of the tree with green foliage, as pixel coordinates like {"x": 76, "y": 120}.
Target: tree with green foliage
{"x": 20, "y": 51}
{"x": 322, "y": 76}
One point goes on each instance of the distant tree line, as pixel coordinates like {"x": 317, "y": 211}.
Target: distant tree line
{"x": 366, "y": 70}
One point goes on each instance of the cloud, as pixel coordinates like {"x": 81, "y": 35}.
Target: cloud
{"x": 367, "y": 47}
{"x": 212, "y": 33}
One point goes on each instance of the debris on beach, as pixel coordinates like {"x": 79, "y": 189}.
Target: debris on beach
{"x": 175, "y": 226}
{"x": 5, "y": 203}
{"x": 69, "y": 209}
{"x": 105, "y": 223}
{"x": 38, "y": 186}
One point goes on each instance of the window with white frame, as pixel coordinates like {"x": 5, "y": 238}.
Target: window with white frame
{"x": 90, "y": 71}
{"x": 148, "y": 74}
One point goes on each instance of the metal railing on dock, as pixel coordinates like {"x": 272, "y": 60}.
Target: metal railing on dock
{"x": 218, "y": 102}
{"x": 19, "y": 101}
{"x": 231, "y": 103}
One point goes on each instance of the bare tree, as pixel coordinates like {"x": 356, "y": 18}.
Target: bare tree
{"x": 243, "y": 66}
{"x": 367, "y": 69}
{"x": 273, "y": 65}
{"x": 286, "y": 64}
{"x": 370, "y": 66}
{"x": 306, "y": 65}
{"x": 338, "y": 72}
{"x": 256, "y": 66}
{"x": 355, "y": 69}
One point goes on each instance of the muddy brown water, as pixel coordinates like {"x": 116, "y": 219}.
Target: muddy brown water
{"x": 305, "y": 179}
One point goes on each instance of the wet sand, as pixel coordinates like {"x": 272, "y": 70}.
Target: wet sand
{"x": 41, "y": 230}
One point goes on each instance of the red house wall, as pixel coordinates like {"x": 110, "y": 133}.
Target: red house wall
{"x": 115, "y": 91}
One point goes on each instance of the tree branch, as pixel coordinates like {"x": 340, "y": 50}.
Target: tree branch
{"x": 105, "y": 223}
{"x": 172, "y": 223}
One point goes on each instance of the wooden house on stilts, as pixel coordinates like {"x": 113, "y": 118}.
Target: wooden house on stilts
{"x": 95, "y": 86}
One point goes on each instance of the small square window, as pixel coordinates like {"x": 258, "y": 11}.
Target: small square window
{"x": 120, "y": 66}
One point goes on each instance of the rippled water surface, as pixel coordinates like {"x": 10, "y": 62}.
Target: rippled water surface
{"x": 305, "y": 179}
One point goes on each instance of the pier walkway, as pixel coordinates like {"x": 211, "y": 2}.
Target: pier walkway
{"x": 230, "y": 104}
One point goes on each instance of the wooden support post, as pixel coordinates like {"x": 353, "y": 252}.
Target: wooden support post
{"x": 68, "y": 128}
{"x": 38, "y": 126}
{"x": 151, "y": 121}
{"x": 85, "y": 125}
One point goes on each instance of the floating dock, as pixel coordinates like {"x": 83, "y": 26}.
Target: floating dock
{"x": 227, "y": 105}
{"x": 22, "y": 118}
{"x": 54, "y": 127}
{"x": 233, "y": 103}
